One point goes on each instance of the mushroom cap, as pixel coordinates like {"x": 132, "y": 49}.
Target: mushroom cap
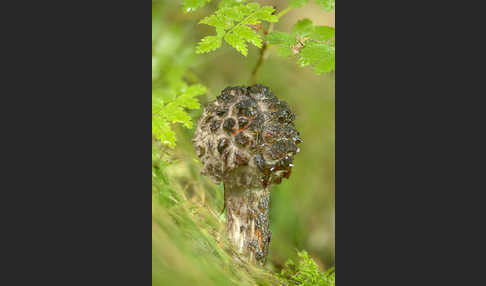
{"x": 246, "y": 137}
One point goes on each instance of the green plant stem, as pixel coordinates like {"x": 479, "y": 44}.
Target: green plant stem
{"x": 283, "y": 12}
{"x": 263, "y": 52}
{"x": 264, "y": 49}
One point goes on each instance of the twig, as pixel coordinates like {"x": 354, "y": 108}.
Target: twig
{"x": 264, "y": 48}
{"x": 263, "y": 52}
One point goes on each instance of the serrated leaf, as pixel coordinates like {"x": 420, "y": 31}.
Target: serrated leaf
{"x": 208, "y": 44}
{"x": 253, "y": 6}
{"x": 325, "y": 65}
{"x": 187, "y": 101}
{"x": 281, "y": 38}
{"x": 312, "y": 53}
{"x": 303, "y": 28}
{"x": 214, "y": 20}
{"x": 161, "y": 131}
{"x": 193, "y": 5}
{"x": 284, "y": 42}
{"x": 231, "y": 14}
{"x": 236, "y": 42}
{"x": 298, "y": 3}
{"x": 163, "y": 94}
{"x": 232, "y": 23}
{"x": 168, "y": 108}
{"x": 174, "y": 113}
{"x": 284, "y": 51}
{"x": 321, "y": 56}
{"x": 323, "y": 33}
{"x": 327, "y": 5}
{"x": 157, "y": 104}
{"x": 230, "y": 3}
{"x": 249, "y": 35}
{"x": 195, "y": 90}
{"x": 266, "y": 13}
{"x": 188, "y": 98}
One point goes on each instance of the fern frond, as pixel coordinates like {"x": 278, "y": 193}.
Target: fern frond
{"x": 233, "y": 24}
{"x": 169, "y": 107}
{"x": 314, "y": 45}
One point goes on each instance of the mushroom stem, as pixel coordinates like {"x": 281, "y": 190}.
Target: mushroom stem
{"x": 247, "y": 222}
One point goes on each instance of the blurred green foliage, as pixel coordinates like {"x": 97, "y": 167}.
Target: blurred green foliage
{"x": 313, "y": 45}
{"x": 169, "y": 106}
{"x": 327, "y": 5}
{"x": 306, "y": 273}
{"x": 188, "y": 238}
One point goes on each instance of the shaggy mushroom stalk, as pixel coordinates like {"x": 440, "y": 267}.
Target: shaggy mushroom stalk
{"x": 246, "y": 139}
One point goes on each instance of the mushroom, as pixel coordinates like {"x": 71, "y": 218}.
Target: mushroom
{"x": 246, "y": 139}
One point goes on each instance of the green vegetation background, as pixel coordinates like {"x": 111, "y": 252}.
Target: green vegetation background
{"x": 188, "y": 242}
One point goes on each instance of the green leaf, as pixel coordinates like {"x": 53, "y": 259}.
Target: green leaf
{"x": 163, "y": 94}
{"x": 284, "y": 42}
{"x": 248, "y": 34}
{"x": 193, "y": 5}
{"x": 236, "y": 42}
{"x": 188, "y": 98}
{"x": 316, "y": 45}
{"x": 174, "y": 113}
{"x": 161, "y": 131}
{"x": 230, "y": 3}
{"x": 323, "y": 33}
{"x": 312, "y": 54}
{"x": 253, "y": 6}
{"x": 326, "y": 64}
{"x": 217, "y": 21}
{"x": 232, "y": 22}
{"x": 298, "y": 3}
{"x": 281, "y": 38}
{"x": 322, "y": 56}
{"x": 208, "y": 44}
{"x": 303, "y": 28}
{"x": 327, "y": 5}
{"x": 230, "y": 15}
{"x": 168, "y": 108}
{"x": 266, "y": 14}
{"x": 284, "y": 51}
{"x": 196, "y": 90}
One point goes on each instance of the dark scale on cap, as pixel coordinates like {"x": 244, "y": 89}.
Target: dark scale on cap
{"x": 221, "y": 112}
{"x": 241, "y": 90}
{"x": 246, "y": 107}
{"x": 228, "y": 124}
{"x": 215, "y": 124}
{"x": 254, "y": 89}
{"x": 279, "y": 149}
{"x": 242, "y": 122}
{"x": 284, "y": 116}
{"x": 223, "y": 143}
{"x": 284, "y": 163}
{"x": 241, "y": 139}
{"x": 257, "y": 122}
{"x": 226, "y": 95}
